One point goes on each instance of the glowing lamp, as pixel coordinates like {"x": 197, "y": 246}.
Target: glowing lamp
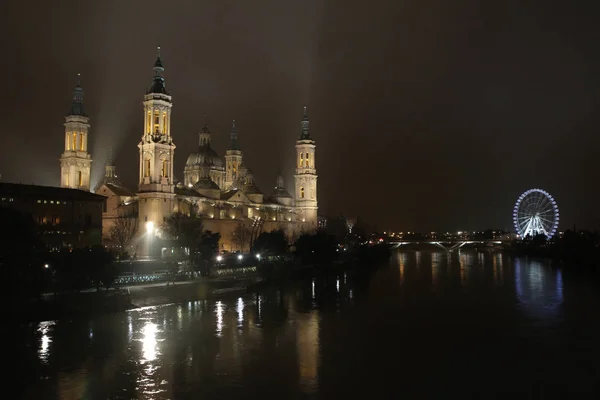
{"x": 149, "y": 226}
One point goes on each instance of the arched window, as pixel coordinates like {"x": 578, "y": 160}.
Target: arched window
{"x": 301, "y": 192}
{"x": 147, "y": 168}
{"x": 164, "y": 168}
{"x": 74, "y": 146}
{"x": 80, "y": 178}
{"x": 81, "y": 141}
{"x": 301, "y": 160}
{"x": 164, "y": 122}
{"x": 307, "y": 160}
{"x": 156, "y": 122}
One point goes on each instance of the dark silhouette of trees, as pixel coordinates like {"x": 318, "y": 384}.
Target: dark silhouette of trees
{"x": 209, "y": 248}
{"x": 271, "y": 243}
{"x": 319, "y": 248}
{"x": 241, "y": 236}
{"x": 186, "y": 232}
{"x": 122, "y": 232}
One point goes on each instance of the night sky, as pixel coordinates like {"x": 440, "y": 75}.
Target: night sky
{"x": 428, "y": 115}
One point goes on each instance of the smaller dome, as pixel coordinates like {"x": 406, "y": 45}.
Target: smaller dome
{"x": 206, "y": 183}
{"x": 205, "y": 156}
{"x": 280, "y": 192}
{"x": 251, "y": 188}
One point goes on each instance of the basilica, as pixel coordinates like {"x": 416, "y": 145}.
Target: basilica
{"x": 219, "y": 189}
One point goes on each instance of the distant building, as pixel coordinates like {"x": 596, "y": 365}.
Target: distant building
{"x": 67, "y": 218}
{"x": 219, "y": 189}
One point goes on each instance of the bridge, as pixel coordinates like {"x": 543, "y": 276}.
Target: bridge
{"x": 448, "y": 245}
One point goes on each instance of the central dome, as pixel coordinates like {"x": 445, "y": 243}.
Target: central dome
{"x": 204, "y": 156}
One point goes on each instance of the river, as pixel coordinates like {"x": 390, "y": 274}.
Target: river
{"x": 428, "y": 325}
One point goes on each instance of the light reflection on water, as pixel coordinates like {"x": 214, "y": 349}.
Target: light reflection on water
{"x": 44, "y": 328}
{"x": 289, "y": 339}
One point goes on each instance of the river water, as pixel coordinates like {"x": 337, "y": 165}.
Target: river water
{"x": 428, "y": 325}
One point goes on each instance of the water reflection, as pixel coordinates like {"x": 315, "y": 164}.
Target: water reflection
{"x": 240, "y": 311}
{"x": 149, "y": 342}
{"x": 288, "y": 339}
{"x": 44, "y": 328}
{"x": 219, "y": 312}
{"x": 307, "y": 344}
{"x": 539, "y": 288}
{"x": 436, "y": 264}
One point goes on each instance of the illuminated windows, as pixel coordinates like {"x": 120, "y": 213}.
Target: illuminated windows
{"x": 81, "y": 141}
{"x": 301, "y": 160}
{"x": 80, "y": 180}
{"x": 74, "y": 145}
{"x": 306, "y": 160}
{"x": 156, "y": 122}
{"x": 147, "y": 168}
{"x": 301, "y": 192}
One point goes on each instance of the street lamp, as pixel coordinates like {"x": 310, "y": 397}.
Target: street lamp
{"x": 46, "y": 266}
{"x": 240, "y": 257}
{"x": 149, "y": 227}
{"x": 258, "y": 256}
{"x": 219, "y": 258}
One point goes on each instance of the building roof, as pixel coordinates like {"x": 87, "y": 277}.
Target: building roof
{"x": 205, "y": 156}
{"x": 206, "y": 183}
{"x": 228, "y": 194}
{"x": 119, "y": 190}
{"x": 21, "y": 190}
{"x": 185, "y": 191}
{"x": 251, "y": 188}
{"x": 280, "y": 192}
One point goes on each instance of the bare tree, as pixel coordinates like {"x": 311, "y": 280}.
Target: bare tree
{"x": 123, "y": 231}
{"x": 186, "y": 231}
{"x": 241, "y": 236}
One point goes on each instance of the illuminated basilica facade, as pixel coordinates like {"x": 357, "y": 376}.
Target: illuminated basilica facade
{"x": 220, "y": 190}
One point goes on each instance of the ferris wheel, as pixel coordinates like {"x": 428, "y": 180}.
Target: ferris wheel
{"x": 536, "y": 213}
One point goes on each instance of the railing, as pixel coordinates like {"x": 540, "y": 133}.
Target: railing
{"x": 140, "y": 278}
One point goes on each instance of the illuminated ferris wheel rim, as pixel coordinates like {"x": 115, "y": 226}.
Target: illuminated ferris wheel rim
{"x": 536, "y": 212}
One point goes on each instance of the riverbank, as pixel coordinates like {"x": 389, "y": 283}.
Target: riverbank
{"x": 90, "y": 303}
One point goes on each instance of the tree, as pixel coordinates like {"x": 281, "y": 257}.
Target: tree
{"x": 103, "y": 271}
{"x": 241, "y": 236}
{"x": 186, "y": 231}
{"x": 209, "y": 247}
{"x": 123, "y": 231}
{"x": 316, "y": 249}
{"x": 273, "y": 242}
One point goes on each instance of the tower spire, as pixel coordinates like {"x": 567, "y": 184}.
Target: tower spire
{"x": 110, "y": 160}
{"x": 305, "y": 135}
{"x": 77, "y": 103}
{"x": 158, "y": 84}
{"x": 234, "y": 137}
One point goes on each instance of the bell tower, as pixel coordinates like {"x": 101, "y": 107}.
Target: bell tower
{"x": 75, "y": 161}
{"x": 157, "y": 147}
{"x": 233, "y": 160}
{"x": 306, "y": 175}
{"x": 156, "y": 186}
